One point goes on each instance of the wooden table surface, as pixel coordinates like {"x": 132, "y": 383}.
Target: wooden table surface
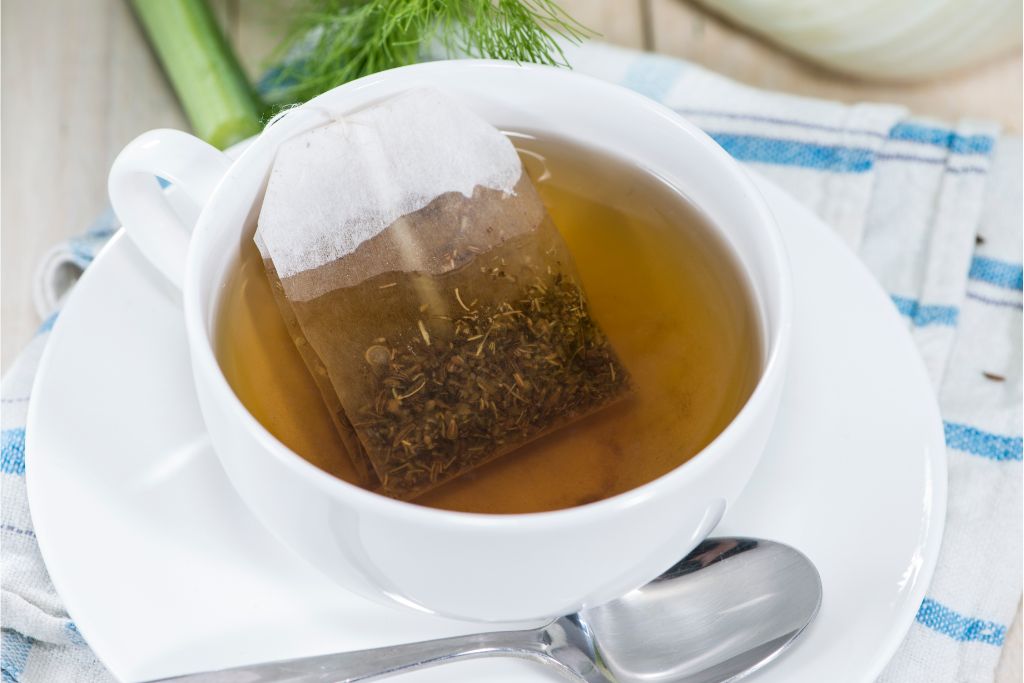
{"x": 79, "y": 83}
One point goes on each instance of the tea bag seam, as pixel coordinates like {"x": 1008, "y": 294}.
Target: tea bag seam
{"x": 487, "y": 160}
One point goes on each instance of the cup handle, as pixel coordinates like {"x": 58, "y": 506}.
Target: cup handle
{"x": 162, "y": 231}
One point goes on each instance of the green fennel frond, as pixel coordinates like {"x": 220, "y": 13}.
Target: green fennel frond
{"x": 336, "y": 41}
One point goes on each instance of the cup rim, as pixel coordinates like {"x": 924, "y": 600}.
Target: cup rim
{"x": 777, "y": 340}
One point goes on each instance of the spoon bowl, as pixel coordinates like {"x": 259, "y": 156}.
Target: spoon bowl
{"x": 728, "y": 608}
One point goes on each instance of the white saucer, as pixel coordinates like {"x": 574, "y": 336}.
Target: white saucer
{"x": 165, "y": 572}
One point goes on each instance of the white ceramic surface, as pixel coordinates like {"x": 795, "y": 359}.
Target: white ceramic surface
{"x": 165, "y": 571}
{"x": 439, "y": 561}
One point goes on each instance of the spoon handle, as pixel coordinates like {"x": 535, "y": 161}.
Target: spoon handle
{"x": 368, "y": 665}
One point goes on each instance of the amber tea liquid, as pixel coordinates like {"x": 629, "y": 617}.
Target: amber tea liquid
{"x": 661, "y": 283}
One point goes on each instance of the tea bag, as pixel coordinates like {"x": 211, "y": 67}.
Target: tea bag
{"x": 430, "y": 294}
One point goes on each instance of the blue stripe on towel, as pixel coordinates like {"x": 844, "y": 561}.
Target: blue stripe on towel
{"x": 958, "y": 144}
{"x": 985, "y": 444}
{"x": 74, "y": 635}
{"x": 905, "y": 132}
{"x": 795, "y": 153}
{"x": 12, "y": 451}
{"x": 83, "y": 249}
{"x": 995, "y": 302}
{"x": 916, "y": 159}
{"x": 776, "y": 120}
{"x": 47, "y": 324}
{"x": 14, "y": 651}
{"x": 942, "y": 619}
{"x": 998, "y": 273}
{"x": 652, "y": 76}
{"x": 923, "y": 315}
{"x": 10, "y": 528}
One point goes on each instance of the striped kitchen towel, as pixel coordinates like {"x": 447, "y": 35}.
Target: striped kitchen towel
{"x": 935, "y": 211}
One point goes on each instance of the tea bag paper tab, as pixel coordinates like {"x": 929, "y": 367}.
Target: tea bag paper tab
{"x": 430, "y": 294}
{"x": 335, "y": 187}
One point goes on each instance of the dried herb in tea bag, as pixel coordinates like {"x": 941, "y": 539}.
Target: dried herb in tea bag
{"x": 438, "y": 305}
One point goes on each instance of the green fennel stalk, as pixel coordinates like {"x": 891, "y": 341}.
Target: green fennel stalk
{"x": 206, "y": 76}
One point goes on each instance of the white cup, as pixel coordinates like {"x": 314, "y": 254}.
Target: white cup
{"x": 472, "y": 566}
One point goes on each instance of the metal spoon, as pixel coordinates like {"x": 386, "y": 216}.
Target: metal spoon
{"x": 727, "y": 609}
